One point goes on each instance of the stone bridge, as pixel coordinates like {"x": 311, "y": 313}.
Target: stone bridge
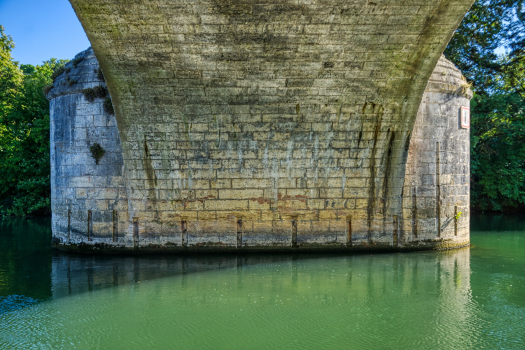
{"x": 263, "y": 124}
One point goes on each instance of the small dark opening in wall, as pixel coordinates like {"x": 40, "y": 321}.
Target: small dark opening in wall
{"x": 184, "y": 231}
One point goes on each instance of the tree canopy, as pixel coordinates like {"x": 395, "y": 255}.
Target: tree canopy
{"x": 24, "y": 133}
{"x": 498, "y": 106}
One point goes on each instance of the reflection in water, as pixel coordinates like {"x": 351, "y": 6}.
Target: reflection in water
{"x": 25, "y": 260}
{"x": 433, "y": 300}
{"x": 366, "y": 276}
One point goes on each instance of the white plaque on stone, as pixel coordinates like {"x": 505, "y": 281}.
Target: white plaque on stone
{"x": 465, "y": 117}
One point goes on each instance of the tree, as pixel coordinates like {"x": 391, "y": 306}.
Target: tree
{"x": 498, "y": 106}
{"x": 24, "y": 134}
{"x": 489, "y": 25}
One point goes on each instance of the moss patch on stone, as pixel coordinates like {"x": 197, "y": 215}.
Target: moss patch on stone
{"x": 108, "y": 106}
{"x": 98, "y": 91}
{"x": 47, "y": 89}
{"x": 57, "y": 72}
{"x": 76, "y": 61}
{"x": 97, "y": 152}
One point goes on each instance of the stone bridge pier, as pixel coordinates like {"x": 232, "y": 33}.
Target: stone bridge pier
{"x": 263, "y": 125}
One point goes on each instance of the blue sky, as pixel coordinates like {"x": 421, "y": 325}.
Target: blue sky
{"x": 42, "y": 29}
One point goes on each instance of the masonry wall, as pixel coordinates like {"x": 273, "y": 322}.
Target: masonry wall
{"x": 79, "y": 186}
{"x": 436, "y": 200}
{"x": 281, "y": 180}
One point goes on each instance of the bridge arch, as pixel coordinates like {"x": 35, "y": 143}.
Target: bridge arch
{"x": 270, "y": 111}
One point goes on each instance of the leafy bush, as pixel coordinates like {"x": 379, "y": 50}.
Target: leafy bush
{"x": 108, "y": 106}
{"x": 97, "y": 152}
{"x": 24, "y": 133}
{"x": 98, "y": 91}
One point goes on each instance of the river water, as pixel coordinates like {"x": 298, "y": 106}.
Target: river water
{"x": 472, "y": 298}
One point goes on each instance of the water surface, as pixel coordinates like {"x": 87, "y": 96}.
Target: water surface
{"x": 471, "y": 298}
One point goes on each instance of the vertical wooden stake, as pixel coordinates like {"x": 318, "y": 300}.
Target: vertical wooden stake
{"x": 294, "y": 231}
{"x": 69, "y": 225}
{"x": 239, "y": 232}
{"x": 349, "y": 232}
{"x": 438, "y": 193}
{"x": 184, "y": 233}
{"x": 115, "y": 225}
{"x": 136, "y": 233}
{"x": 89, "y": 225}
{"x": 455, "y": 220}
{"x": 414, "y": 214}
{"x": 395, "y": 235}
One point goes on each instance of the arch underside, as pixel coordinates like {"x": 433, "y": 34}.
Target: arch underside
{"x": 268, "y": 111}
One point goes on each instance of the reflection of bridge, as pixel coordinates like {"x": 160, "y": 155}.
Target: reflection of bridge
{"x": 446, "y": 272}
{"x": 246, "y": 125}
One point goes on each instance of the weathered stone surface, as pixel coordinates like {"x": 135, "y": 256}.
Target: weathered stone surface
{"x": 78, "y": 184}
{"x": 273, "y": 113}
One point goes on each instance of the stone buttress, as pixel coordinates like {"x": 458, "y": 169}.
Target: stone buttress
{"x": 292, "y": 179}
{"x": 86, "y": 197}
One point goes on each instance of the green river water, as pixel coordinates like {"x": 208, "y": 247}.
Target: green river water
{"x": 472, "y": 298}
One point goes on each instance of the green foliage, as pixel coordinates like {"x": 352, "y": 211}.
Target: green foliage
{"x": 490, "y": 24}
{"x": 59, "y": 70}
{"x": 46, "y": 89}
{"x": 76, "y": 61}
{"x": 97, "y": 152}
{"x": 498, "y": 152}
{"x": 108, "y": 106}
{"x": 498, "y": 106}
{"x": 100, "y": 74}
{"x": 24, "y": 134}
{"x": 27, "y": 68}
{"x": 98, "y": 91}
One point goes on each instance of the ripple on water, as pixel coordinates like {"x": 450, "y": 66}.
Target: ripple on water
{"x": 15, "y": 302}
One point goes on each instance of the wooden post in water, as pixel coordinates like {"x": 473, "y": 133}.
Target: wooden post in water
{"x": 455, "y": 220}
{"x": 349, "y": 232}
{"x": 395, "y": 234}
{"x": 240, "y": 230}
{"x": 136, "y": 233}
{"x": 294, "y": 231}
{"x": 184, "y": 232}
{"x": 438, "y": 193}
{"x": 115, "y": 225}
{"x": 69, "y": 225}
{"x": 89, "y": 225}
{"x": 414, "y": 214}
